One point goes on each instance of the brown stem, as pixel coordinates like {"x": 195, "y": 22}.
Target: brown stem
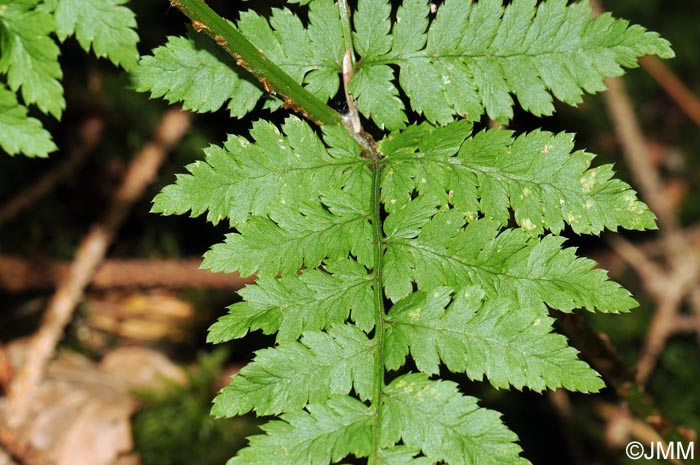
{"x": 634, "y": 149}
{"x": 18, "y": 274}
{"x": 674, "y": 87}
{"x": 602, "y": 356}
{"x": 19, "y": 449}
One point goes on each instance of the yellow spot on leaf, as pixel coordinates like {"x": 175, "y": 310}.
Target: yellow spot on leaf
{"x": 588, "y": 181}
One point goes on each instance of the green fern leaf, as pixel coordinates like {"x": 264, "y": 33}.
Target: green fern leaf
{"x": 323, "y": 434}
{"x": 195, "y": 72}
{"x": 199, "y": 74}
{"x": 20, "y": 133}
{"x": 372, "y": 27}
{"x": 105, "y": 25}
{"x": 377, "y": 98}
{"x": 510, "y": 345}
{"x": 306, "y": 230}
{"x": 510, "y": 264}
{"x": 290, "y": 240}
{"x": 30, "y": 56}
{"x": 475, "y": 55}
{"x": 245, "y": 178}
{"x": 536, "y": 175}
{"x": 288, "y": 377}
{"x": 312, "y": 56}
{"x": 432, "y": 416}
{"x": 400, "y": 455}
{"x": 310, "y": 302}
{"x": 407, "y": 247}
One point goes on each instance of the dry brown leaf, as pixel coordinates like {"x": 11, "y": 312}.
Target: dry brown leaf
{"x": 80, "y": 414}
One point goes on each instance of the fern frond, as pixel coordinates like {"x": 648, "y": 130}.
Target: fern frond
{"x": 288, "y": 377}
{"x": 510, "y": 345}
{"x": 30, "y": 55}
{"x": 323, "y": 434}
{"x": 304, "y": 221}
{"x": 194, "y": 71}
{"x": 106, "y": 26}
{"x": 473, "y": 56}
{"x": 432, "y": 416}
{"x": 20, "y": 133}
{"x": 537, "y": 175}
{"x": 292, "y": 305}
{"x": 288, "y": 240}
{"x": 407, "y": 247}
{"x": 400, "y": 455}
{"x": 510, "y": 264}
{"x": 278, "y": 169}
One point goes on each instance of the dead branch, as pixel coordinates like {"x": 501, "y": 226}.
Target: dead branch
{"x": 90, "y": 135}
{"x": 19, "y": 449}
{"x": 621, "y": 427}
{"x": 602, "y": 356}
{"x": 668, "y": 287}
{"x": 686, "y": 324}
{"x": 90, "y": 253}
{"x": 668, "y": 284}
{"x": 18, "y": 274}
{"x": 636, "y": 153}
{"x": 674, "y": 87}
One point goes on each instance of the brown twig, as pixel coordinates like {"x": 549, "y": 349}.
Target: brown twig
{"x": 19, "y": 449}
{"x": 18, "y": 274}
{"x": 651, "y": 249}
{"x": 602, "y": 356}
{"x": 621, "y": 426}
{"x": 668, "y": 289}
{"x": 647, "y": 269}
{"x": 686, "y": 324}
{"x": 90, "y": 253}
{"x": 90, "y": 134}
{"x": 668, "y": 284}
{"x": 634, "y": 149}
{"x": 674, "y": 87}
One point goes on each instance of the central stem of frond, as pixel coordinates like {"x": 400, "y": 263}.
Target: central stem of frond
{"x": 378, "y": 306}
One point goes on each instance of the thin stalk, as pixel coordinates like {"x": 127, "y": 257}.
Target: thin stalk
{"x": 347, "y": 28}
{"x": 272, "y": 77}
{"x": 353, "y": 117}
{"x": 379, "y": 308}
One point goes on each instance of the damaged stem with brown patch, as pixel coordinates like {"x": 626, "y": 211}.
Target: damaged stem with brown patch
{"x": 249, "y": 57}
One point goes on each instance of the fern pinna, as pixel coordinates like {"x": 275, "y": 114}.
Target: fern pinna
{"x": 429, "y": 240}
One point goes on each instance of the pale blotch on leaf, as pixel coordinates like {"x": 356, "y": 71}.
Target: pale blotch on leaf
{"x": 588, "y": 181}
{"x": 528, "y": 224}
{"x": 571, "y": 218}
